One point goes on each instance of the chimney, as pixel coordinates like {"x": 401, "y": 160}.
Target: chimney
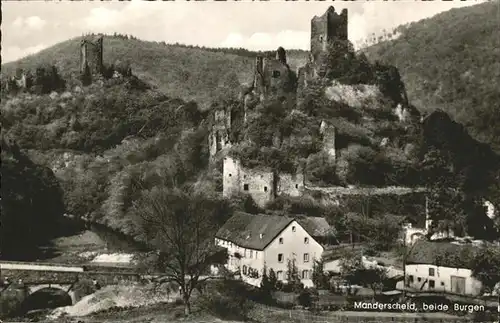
{"x": 261, "y": 235}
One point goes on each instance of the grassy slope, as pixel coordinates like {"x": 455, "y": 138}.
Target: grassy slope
{"x": 189, "y": 73}
{"x": 451, "y": 61}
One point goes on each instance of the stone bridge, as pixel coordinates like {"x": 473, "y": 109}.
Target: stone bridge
{"x": 37, "y": 276}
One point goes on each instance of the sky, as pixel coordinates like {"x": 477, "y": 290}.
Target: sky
{"x": 30, "y": 26}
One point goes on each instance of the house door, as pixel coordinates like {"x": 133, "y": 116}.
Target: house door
{"x": 457, "y": 284}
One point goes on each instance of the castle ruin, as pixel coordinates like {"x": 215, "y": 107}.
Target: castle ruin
{"x": 91, "y": 55}
{"x": 219, "y": 135}
{"x": 262, "y": 184}
{"x": 327, "y": 29}
{"x": 274, "y": 80}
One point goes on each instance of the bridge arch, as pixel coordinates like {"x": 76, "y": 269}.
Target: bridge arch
{"x": 66, "y": 288}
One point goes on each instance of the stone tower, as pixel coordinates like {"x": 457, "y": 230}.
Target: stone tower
{"x": 327, "y": 28}
{"x": 91, "y": 55}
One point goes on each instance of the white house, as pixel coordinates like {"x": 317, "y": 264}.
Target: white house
{"x": 258, "y": 241}
{"x": 443, "y": 267}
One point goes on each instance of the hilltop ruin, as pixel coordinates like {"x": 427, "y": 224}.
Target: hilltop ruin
{"x": 91, "y": 55}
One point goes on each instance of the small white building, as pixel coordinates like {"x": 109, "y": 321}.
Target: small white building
{"x": 442, "y": 267}
{"x": 257, "y": 241}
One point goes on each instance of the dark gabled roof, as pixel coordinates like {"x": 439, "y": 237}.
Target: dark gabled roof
{"x": 444, "y": 254}
{"x": 245, "y": 229}
{"x": 315, "y": 226}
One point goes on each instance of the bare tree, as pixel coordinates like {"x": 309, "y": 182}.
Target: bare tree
{"x": 181, "y": 226}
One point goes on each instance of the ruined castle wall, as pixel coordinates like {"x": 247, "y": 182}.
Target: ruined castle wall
{"x": 277, "y": 76}
{"x": 91, "y": 54}
{"x": 328, "y": 133}
{"x": 327, "y": 28}
{"x": 231, "y": 177}
{"x": 218, "y": 140}
{"x": 219, "y": 136}
{"x": 256, "y": 182}
{"x": 319, "y": 34}
{"x": 290, "y": 184}
{"x": 220, "y": 119}
{"x": 83, "y": 57}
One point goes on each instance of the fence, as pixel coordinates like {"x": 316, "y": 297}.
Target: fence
{"x": 275, "y": 315}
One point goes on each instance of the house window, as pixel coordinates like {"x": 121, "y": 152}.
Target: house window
{"x": 251, "y": 253}
{"x": 306, "y": 240}
{"x": 306, "y": 257}
{"x": 305, "y": 274}
{"x": 245, "y": 187}
{"x": 280, "y": 257}
{"x": 276, "y": 74}
{"x": 293, "y": 229}
{"x": 244, "y": 176}
{"x": 442, "y": 283}
{"x": 410, "y": 278}
{"x": 281, "y": 240}
{"x": 419, "y": 279}
{"x": 265, "y": 188}
{"x": 244, "y": 270}
{"x": 432, "y": 284}
{"x": 296, "y": 185}
{"x": 279, "y": 275}
{"x": 431, "y": 272}
{"x": 230, "y": 175}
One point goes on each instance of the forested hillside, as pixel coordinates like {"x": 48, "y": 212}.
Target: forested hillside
{"x": 108, "y": 144}
{"x": 451, "y": 62}
{"x": 188, "y": 72}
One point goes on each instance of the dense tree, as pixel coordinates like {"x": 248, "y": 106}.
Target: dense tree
{"x": 373, "y": 278}
{"x": 32, "y": 204}
{"x": 293, "y": 283}
{"x": 319, "y": 277}
{"x": 268, "y": 284}
{"x": 486, "y": 264}
{"x": 181, "y": 227}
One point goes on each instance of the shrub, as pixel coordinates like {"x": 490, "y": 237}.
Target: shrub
{"x": 83, "y": 288}
{"x": 229, "y": 299}
{"x": 10, "y": 302}
{"x": 305, "y": 298}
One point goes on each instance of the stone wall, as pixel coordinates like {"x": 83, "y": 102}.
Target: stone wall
{"x": 273, "y": 78}
{"x": 404, "y": 201}
{"x": 259, "y": 183}
{"x": 219, "y": 136}
{"x": 54, "y": 277}
{"x": 262, "y": 184}
{"x": 290, "y": 184}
